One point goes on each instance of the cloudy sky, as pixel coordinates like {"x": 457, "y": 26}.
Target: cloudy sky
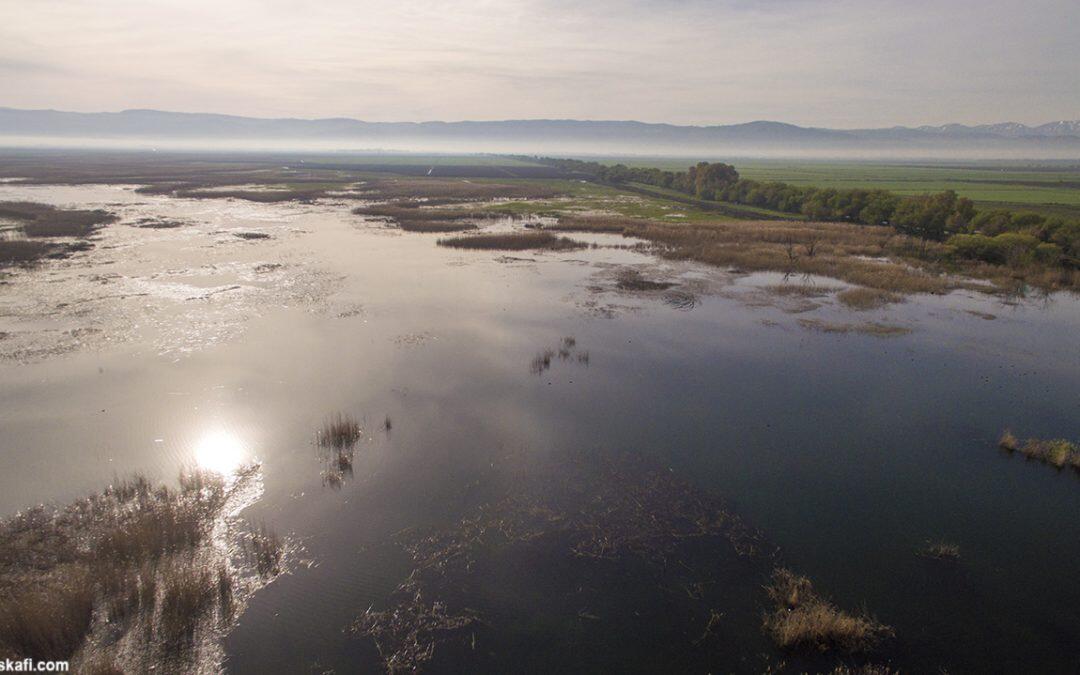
{"x": 835, "y": 63}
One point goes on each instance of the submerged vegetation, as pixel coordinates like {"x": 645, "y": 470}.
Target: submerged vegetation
{"x": 1057, "y": 452}
{"x": 804, "y": 620}
{"x": 866, "y": 328}
{"x": 130, "y": 576}
{"x": 605, "y": 519}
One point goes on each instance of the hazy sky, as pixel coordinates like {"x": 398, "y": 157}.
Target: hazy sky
{"x": 842, "y": 63}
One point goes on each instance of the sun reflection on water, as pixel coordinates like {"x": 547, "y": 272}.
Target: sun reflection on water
{"x": 221, "y": 452}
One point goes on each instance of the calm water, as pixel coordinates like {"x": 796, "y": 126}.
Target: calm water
{"x": 166, "y": 347}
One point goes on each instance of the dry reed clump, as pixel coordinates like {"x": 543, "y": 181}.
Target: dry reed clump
{"x": 867, "y": 298}
{"x": 940, "y": 550}
{"x": 338, "y": 438}
{"x": 872, "y": 328}
{"x": 517, "y": 241}
{"x": 1056, "y": 452}
{"x": 50, "y": 620}
{"x": 339, "y": 431}
{"x": 133, "y": 564}
{"x": 266, "y": 549}
{"x": 567, "y": 350}
{"x": 804, "y": 620}
{"x": 800, "y": 290}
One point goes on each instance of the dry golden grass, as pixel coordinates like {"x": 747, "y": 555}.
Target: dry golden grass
{"x": 1008, "y": 441}
{"x": 1058, "y": 452}
{"x": 867, "y": 298}
{"x": 803, "y": 620}
{"x": 517, "y": 241}
{"x": 76, "y": 581}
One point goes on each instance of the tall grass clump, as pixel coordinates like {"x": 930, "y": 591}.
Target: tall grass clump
{"x": 802, "y": 619}
{"x": 339, "y": 431}
{"x": 136, "y": 569}
{"x": 1057, "y": 452}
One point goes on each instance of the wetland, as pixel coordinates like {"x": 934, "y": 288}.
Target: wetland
{"x": 259, "y": 415}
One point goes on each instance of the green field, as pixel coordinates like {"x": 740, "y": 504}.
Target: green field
{"x": 1051, "y": 188}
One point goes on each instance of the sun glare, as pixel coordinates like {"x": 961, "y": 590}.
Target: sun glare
{"x": 221, "y": 452}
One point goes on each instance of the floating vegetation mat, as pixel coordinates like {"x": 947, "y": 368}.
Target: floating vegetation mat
{"x": 573, "y": 554}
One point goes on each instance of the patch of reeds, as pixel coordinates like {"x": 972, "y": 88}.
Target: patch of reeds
{"x": 517, "y": 241}
{"x": 25, "y": 251}
{"x": 1057, "y": 452}
{"x": 188, "y": 594}
{"x": 859, "y": 298}
{"x": 266, "y": 549}
{"x": 940, "y": 550}
{"x": 339, "y": 431}
{"x": 50, "y": 620}
{"x": 802, "y": 619}
{"x": 412, "y": 217}
{"x": 43, "y": 220}
{"x": 632, "y": 280}
{"x": 75, "y": 582}
{"x": 605, "y": 224}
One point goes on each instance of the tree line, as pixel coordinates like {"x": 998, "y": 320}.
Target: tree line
{"x": 996, "y": 236}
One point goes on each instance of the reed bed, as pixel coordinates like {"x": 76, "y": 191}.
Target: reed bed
{"x": 517, "y": 241}
{"x": 802, "y": 619}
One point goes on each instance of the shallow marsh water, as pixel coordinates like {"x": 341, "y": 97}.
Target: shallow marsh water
{"x": 164, "y": 347}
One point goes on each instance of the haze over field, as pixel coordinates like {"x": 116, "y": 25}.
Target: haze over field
{"x": 814, "y": 64}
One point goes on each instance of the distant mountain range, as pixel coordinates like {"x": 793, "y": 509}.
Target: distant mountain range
{"x": 202, "y": 130}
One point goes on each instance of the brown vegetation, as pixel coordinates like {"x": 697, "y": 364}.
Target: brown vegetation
{"x": 43, "y": 220}
{"x": 415, "y": 217}
{"x": 867, "y": 298}
{"x": 134, "y": 563}
{"x": 1057, "y": 452}
{"x": 804, "y": 620}
{"x": 516, "y": 241}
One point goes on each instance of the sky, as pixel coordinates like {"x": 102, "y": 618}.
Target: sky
{"x": 828, "y": 63}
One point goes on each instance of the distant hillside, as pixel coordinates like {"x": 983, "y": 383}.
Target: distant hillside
{"x": 143, "y": 127}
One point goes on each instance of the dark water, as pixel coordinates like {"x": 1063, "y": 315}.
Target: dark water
{"x": 848, "y": 451}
